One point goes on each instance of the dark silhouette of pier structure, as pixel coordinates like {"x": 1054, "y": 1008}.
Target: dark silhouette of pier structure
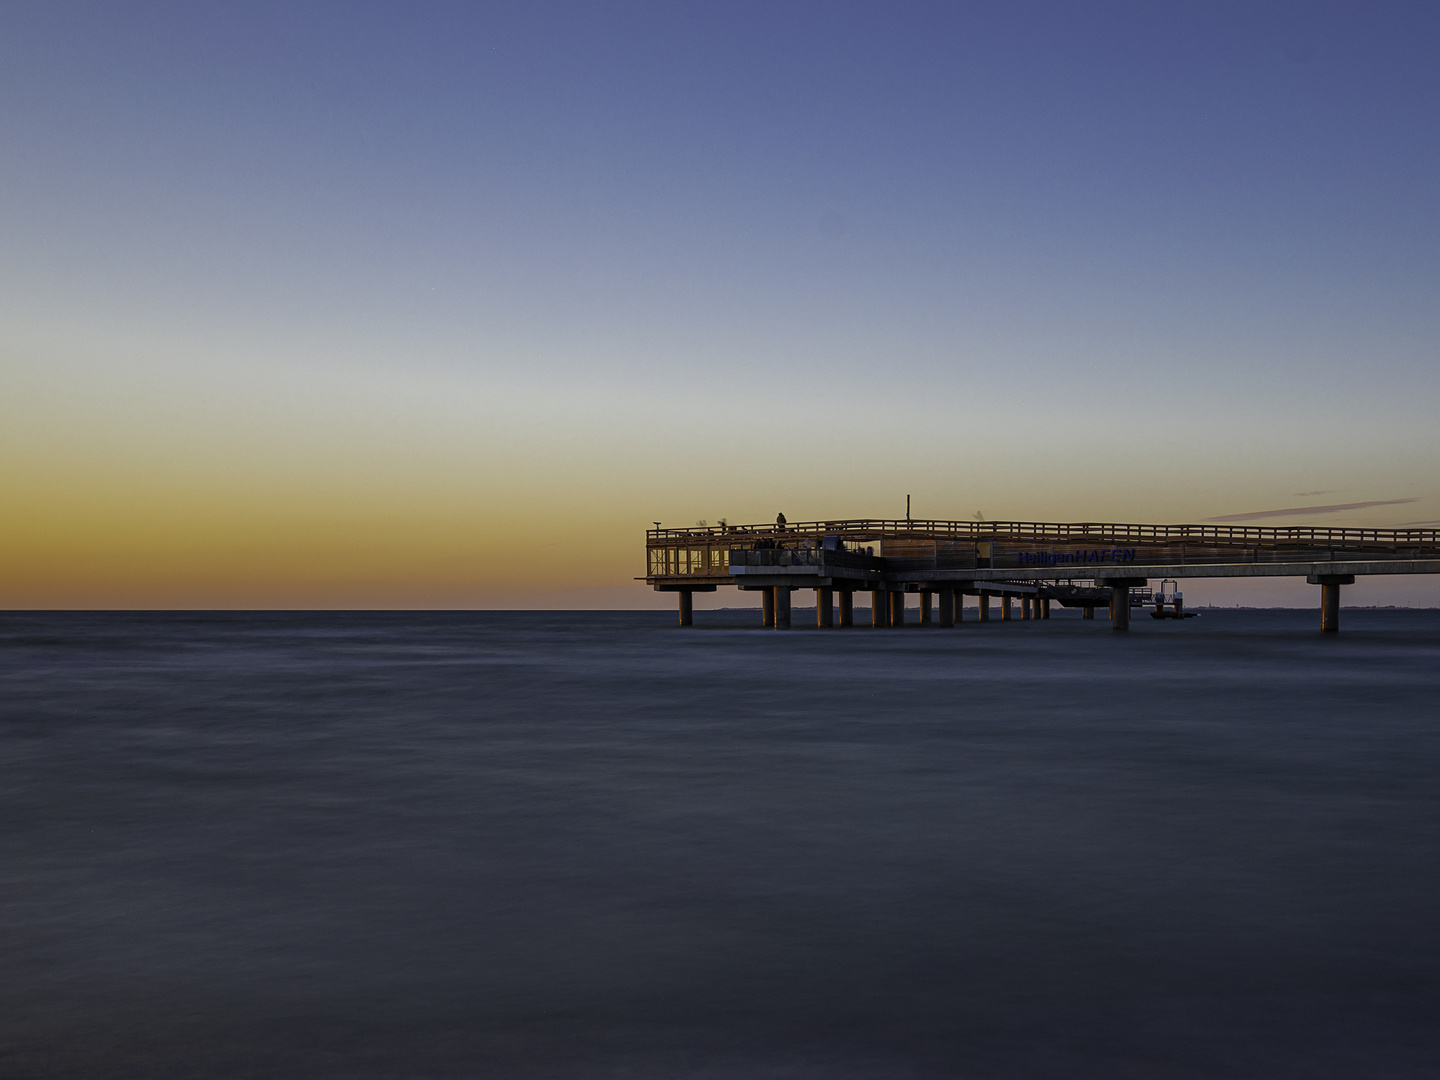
{"x": 1084, "y": 565}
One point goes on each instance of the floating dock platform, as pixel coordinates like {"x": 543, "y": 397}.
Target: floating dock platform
{"x": 1086, "y": 565}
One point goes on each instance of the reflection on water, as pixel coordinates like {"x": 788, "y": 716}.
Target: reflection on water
{"x": 586, "y": 845}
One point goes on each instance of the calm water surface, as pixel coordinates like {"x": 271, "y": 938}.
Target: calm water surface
{"x": 591, "y": 845}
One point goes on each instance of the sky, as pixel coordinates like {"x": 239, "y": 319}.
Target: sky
{"x": 432, "y": 305}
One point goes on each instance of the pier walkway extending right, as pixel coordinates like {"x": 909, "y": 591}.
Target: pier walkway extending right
{"x": 1084, "y": 564}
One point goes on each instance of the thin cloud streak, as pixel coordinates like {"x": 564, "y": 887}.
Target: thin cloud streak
{"x": 1295, "y": 511}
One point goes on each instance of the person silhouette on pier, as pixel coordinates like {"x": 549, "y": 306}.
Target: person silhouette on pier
{"x": 779, "y": 522}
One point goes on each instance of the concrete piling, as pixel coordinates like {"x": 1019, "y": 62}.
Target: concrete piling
{"x": 782, "y": 607}
{"x": 767, "y": 608}
{"x": 1330, "y": 599}
{"x": 879, "y": 609}
{"x": 925, "y": 602}
{"x": 687, "y": 607}
{"x": 847, "y": 607}
{"x": 947, "y": 606}
{"x": 1119, "y": 607}
{"x": 824, "y": 607}
{"x": 983, "y": 602}
{"x": 897, "y": 608}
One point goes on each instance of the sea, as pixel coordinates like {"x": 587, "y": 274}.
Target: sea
{"x": 589, "y": 844}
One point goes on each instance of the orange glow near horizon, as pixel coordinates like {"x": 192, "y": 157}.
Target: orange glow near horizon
{"x": 166, "y": 485}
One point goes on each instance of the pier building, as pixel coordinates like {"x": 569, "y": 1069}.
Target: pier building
{"x": 1028, "y": 565}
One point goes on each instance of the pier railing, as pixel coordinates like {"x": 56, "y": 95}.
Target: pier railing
{"x": 881, "y": 528}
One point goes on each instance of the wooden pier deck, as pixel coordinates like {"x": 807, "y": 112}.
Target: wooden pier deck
{"x": 944, "y": 560}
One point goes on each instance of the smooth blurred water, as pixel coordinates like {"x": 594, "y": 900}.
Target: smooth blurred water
{"x": 593, "y": 845}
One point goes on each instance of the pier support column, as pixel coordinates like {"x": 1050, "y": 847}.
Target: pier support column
{"x": 687, "y": 607}
{"x": 1120, "y": 601}
{"x": 947, "y": 606}
{"x": 847, "y": 607}
{"x": 926, "y": 597}
{"x": 1045, "y": 608}
{"x": 824, "y": 607}
{"x": 1088, "y": 612}
{"x": 767, "y": 608}
{"x": 983, "y": 600}
{"x": 897, "y": 608}
{"x": 1025, "y": 606}
{"x": 1119, "y": 608}
{"x": 1330, "y": 599}
{"x": 1329, "y": 609}
{"x": 782, "y": 607}
{"x": 1005, "y": 610}
{"x": 879, "y": 608}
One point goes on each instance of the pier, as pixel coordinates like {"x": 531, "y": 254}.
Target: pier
{"x": 1083, "y": 565}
